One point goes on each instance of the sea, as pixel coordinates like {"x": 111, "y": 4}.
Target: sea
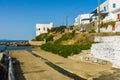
{"x": 4, "y": 47}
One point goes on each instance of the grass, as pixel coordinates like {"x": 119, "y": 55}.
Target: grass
{"x": 65, "y": 37}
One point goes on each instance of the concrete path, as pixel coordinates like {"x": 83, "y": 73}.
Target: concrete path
{"x": 85, "y": 70}
{"x": 29, "y": 67}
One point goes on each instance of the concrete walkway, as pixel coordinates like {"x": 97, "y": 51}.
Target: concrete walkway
{"x": 85, "y": 70}
{"x": 29, "y": 67}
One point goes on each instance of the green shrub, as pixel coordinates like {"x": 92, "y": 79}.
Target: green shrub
{"x": 92, "y": 31}
{"x": 44, "y": 36}
{"x": 41, "y": 37}
{"x": 112, "y": 23}
{"x": 105, "y": 25}
{"x": 64, "y": 50}
{"x": 108, "y": 23}
{"x": 49, "y": 38}
{"x": 53, "y": 29}
{"x": 71, "y": 27}
{"x": 60, "y": 29}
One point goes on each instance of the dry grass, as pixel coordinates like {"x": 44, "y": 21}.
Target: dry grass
{"x": 79, "y": 39}
{"x": 86, "y": 38}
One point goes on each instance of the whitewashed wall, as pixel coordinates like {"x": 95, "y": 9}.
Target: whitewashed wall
{"x": 43, "y": 28}
{"x": 109, "y": 28}
{"x": 117, "y": 2}
{"x": 81, "y": 17}
{"x": 117, "y": 26}
{"x": 108, "y": 49}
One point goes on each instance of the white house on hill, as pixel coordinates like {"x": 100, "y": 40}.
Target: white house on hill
{"x": 109, "y": 10}
{"x": 112, "y": 9}
{"x": 43, "y": 28}
{"x": 82, "y": 19}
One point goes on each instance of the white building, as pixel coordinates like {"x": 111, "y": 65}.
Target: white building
{"x": 82, "y": 19}
{"x": 109, "y": 10}
{"x": 43, "y": 28}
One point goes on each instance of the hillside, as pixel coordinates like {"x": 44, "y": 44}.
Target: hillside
{"x": 67, "y": 43}
{"x": 81, "y": 38}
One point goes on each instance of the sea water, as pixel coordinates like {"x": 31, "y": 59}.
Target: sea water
{"x": 4, "y": 47}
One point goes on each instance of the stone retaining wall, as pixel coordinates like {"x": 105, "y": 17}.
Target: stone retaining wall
{"x": 36, "y": 43}
{"x": 108, "y": 49}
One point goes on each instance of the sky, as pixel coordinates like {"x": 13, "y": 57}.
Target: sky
{"x": 18, "y": 18}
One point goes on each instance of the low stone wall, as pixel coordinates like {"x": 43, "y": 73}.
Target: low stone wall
{"x": 108, "y": 39}
{"x": 108, "y": 49}
{"x": 93, "y": 60}
{"x": 36, "y": 43}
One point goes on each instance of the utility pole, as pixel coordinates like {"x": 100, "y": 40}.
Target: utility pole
{"x": 79, "y": 20}
{"x": 66, "y": 21}
{"x": 63, "y": 22}
{"x": 98, "y": 16}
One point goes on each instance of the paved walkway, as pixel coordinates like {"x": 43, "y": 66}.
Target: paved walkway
{"x": 29, "y": 67}
{"x": 85, "y": 70}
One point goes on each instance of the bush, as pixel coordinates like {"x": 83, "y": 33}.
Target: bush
{"x": 71, "y": 27}
{"x": 60, "y": 29}
{"x": 92, "y": 31}
{"x": 64, "y": 50}
{"x": 108, "y": 23}
{"x": 49, "y": 38}
{"x": 44, "y": 36}
{"x": 41, "y": 37}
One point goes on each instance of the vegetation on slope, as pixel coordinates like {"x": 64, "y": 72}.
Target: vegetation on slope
{"x": 60, "y": 29}
{"x": 70, "y": 43}
{"x": 45, "y": 36}
{"x": 66, "y": 36}
{"x": 65, "y": 50}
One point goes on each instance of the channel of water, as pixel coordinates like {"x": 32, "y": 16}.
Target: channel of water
{"x": 57, "y": 68}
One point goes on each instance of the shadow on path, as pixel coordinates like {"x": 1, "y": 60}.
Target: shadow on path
{"x": 17, "y": 70}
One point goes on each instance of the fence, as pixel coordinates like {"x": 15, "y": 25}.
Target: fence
{"x": 10, "y": 70}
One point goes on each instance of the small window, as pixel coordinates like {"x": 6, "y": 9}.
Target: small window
{"x": 44, "y": 28}
{"x": 104, "y": 8}
{"x": 114, "y": 5}
{"x": 38, "y": 29}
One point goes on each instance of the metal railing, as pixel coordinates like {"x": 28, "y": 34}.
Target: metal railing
{"x": 10, "y": 70}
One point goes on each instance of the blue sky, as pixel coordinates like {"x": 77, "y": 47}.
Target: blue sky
{"x": 18, "y": 17}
